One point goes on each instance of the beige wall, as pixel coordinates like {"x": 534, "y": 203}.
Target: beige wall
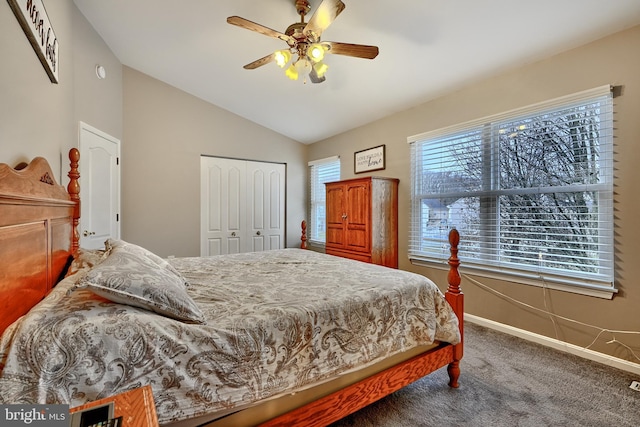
{"x": 166, "y": 131}
{"x": 39, "y": 118}
{"x": 613, "y": 60}
{"x": 97, "y": 102}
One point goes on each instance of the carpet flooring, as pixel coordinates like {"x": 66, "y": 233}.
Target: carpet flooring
{"x": 507, "y": 381}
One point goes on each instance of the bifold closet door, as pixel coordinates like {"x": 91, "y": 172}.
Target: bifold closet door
{"x": 242, "y": 206}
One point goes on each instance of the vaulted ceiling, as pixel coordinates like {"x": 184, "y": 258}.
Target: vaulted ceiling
{"x": 427, "y": 48}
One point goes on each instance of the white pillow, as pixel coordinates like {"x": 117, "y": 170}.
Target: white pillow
{"x": 130, "y": 247}
{"x": 131, "y": 278}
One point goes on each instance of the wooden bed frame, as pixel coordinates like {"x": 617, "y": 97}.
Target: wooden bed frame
{"x": 38, "y": 233}
{"x": 39, "y": 237}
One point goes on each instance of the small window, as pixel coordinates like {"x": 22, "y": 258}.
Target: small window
{"x": 530, "y": 191}
{"x": 321, "y": 171}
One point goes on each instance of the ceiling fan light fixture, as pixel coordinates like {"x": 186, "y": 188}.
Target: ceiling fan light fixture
{"x": 282, "y": 57}
{"x": 315, "y": 52}
{"x": 320, "y": 68}
{"x": 292, "y": 72}
{"x": 302, "y": 66}
{"x": 304, "y": 40}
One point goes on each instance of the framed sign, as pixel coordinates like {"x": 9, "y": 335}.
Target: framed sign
{"x": 34, "y": 21}
{"x": 371, "y": 159}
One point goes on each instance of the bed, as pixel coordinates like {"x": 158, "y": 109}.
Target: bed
{"x": 285, "y": 337}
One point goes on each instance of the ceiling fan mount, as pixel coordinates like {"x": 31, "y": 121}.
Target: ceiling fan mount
{"x": 295, "y": 30}
{"x": 302, "y": 7}
{"x": 303, "y": 40}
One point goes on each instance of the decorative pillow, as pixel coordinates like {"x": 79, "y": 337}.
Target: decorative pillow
{"x": 139, "y": 250}
{"x": 129, "y": 278}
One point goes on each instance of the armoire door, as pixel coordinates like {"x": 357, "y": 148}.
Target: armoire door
{"x": 242, "y": 206}
{"x": 349, "y": 215}
{"x": 358, "y": 216}
{"x": 336, "y": 211}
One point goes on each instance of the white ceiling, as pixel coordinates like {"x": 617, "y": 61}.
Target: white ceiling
{"x": 427, "y": 48}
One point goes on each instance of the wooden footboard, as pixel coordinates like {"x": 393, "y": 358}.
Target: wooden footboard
{"x": 344, "y": 402}
{"x": 339, "y": 404}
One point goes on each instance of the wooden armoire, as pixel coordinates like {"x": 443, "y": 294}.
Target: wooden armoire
{"x": 362, "y": 220}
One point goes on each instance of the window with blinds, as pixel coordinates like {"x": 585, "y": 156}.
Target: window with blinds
{"x": 530, "y": 191}
{"x": 321, "y": 171}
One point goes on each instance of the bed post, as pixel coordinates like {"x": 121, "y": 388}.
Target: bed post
{"x": 303, "y": 237}
{"x": 455, "y": 297}
{"x": 74, "y": 193}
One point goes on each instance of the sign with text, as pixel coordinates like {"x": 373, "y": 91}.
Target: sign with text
{"x": 34, "y": 415}
{"x": 34, "y": 21}
{"x": 371, "y": 159}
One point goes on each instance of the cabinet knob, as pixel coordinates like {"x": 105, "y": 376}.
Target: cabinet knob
{"x": 258, "y": 233}
{"x": 233, "y": 234}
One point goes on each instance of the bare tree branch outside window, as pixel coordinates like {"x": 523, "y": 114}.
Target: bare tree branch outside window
{"x": 525, "y": 192}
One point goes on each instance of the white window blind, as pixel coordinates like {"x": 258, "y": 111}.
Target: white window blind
{"x": 321, "y": 171}
{"x": 530, "y": 191}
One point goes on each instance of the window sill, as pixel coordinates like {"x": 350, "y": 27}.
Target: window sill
{"x": 315, "y": 245}
{"x": 576, "y": 287}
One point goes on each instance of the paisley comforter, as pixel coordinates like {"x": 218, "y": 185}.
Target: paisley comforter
{"x": 276, "y": 321}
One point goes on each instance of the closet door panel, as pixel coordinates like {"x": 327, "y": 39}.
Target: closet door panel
{"x": 242, "y": 206}
{"x": 236, "y": 209}
{"x": 223, "y": 206}
{"x": 268, "y": 204}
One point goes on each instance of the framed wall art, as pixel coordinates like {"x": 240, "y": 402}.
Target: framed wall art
{"x": 34, "y": 20}
{"x": 371, "y": 159}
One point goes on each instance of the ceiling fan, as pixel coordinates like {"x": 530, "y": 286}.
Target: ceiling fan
{"x": 304, "y": 40}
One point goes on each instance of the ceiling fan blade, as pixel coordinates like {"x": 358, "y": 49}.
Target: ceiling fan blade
{"x": 323, "y": 17}
{"x": 260, "y": 62}
{"x": 350, "y": 49}
{"x": 249, "y": 25}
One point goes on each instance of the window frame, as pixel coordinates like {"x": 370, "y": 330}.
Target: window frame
{"x": 320, "y": 171}
{"x": 488, "y": 126}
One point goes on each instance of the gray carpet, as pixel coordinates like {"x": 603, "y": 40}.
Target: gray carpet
{"x": 507, "y": 381}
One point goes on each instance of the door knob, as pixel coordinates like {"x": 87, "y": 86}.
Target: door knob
{"x": 233, "y": 234}
{"x": 258, "y": 233}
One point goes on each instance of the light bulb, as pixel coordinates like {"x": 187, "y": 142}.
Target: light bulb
{"x": 282, "y": 57}
{"x": 315, "y": 52}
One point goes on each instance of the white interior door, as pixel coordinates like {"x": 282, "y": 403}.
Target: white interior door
{"x": 99, "y": 187}
{"x": 242, "y": 206}
{"x": 223, "y": 210}
{"x": 265, "y": 194}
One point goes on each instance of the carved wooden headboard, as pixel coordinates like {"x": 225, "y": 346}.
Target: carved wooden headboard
{"x": 38, "y": 233}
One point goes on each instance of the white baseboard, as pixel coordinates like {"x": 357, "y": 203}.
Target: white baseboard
{"x": 595, "y": 356}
